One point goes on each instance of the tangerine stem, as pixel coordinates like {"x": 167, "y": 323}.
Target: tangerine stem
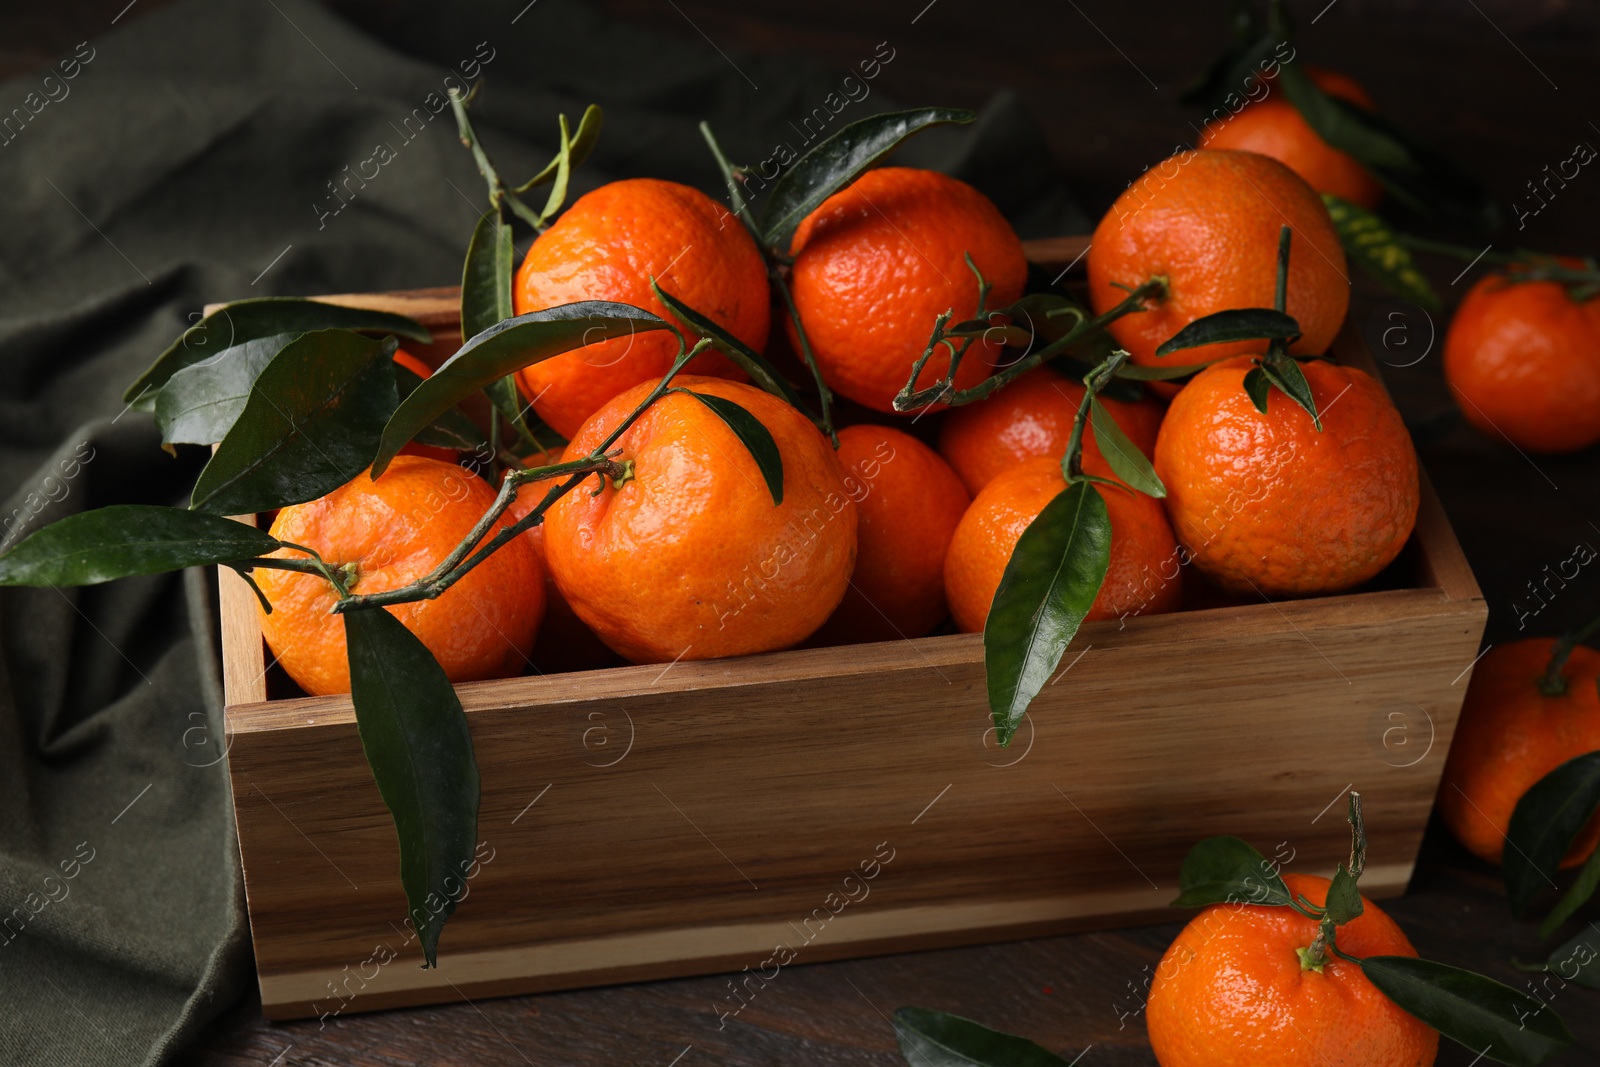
{"x": 1093, "y": 382}
{"x": 498, "y": 193}
{"x": 1552, "y": 683}
{"x": 736, "y": 199}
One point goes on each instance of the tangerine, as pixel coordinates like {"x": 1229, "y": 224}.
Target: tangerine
{"x": 908, "y": 501}
{"x": 1033, "y": 416}
{"x": 1511, "y": 734}
{"x": 1522, "y": 359}
{"x": 688, "y": 556}
{"x": 1267, "y": 505}
{"x": 1143, "y": 549}
{"x": 1231, "y": 990}
{"x": 1208, "y": 223}
{"x": 607, "y": 246}
{"x": 1274, "y": 127}
{"x": 878, "y": 262}
{"x": 388, "y": 533}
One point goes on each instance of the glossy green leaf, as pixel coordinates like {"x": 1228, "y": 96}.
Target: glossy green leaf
{"x": 835, "y": 161}
{"x": 1256, "y": 387}
{"x": 1226, "y": 870}
{"x": 1577, "y": 896}
{"x": 416, "y": 740}
{"x": 937, "y": 1039}
{"x": 582, "y": 143}
{"x": 311, "y": 424}
{"x": 1499, "y": 1022}
{"x": 1127, "y": 462}
{"x": 246, "y": 320}
{"x": 1285, "y": 373}
{"x": 451, "y": 430}
{"x": 755, "y": 437}
{"x": 748, "y": 359}
{"x": 1344, "y": 899}
{"x": 128, "y": 539}
{"x": 1579, "y": 959}
{"x": 200, "y": 402}
{"x": 1545, "y": 823}
{"x": 1233, "y": 324}
{"x": 503, "y": 348}
{"x": 1343, "y": 125}
{"x": 563, "y": 175}
{"x": 1369, "y": 242}
{"x": 486, "y": 275}
{"x": 1048, "y": 586}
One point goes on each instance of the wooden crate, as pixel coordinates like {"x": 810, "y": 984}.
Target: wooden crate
{"x": 646, "y": 822}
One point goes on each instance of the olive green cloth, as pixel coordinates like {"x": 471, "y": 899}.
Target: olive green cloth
{"x": 204, "y": 152}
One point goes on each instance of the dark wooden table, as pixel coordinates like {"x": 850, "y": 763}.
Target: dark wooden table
{"x": 1507, "y": 85}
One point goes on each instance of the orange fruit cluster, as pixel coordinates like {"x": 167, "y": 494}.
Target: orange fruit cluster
{"x": 681, "y": 549}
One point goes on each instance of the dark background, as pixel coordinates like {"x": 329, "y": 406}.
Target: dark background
{"x": 1506, "y": 86}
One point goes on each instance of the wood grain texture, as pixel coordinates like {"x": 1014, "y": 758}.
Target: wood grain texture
{"x": 644, "y": 822}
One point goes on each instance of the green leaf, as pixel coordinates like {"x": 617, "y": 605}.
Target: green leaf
{"x": 1579, "y": 959}
{"x": 1226, "y": 870}
{"x": 311, "y": 424}
{"x": 1127, "y": 462}
{"x": 128, "y": 539}
{"x": 1049, "y": 584}
{"x": 835, "y": 161}
{"x": 1489, "y": 1018}
{"x": 1342, "y": 124}
{"x": 247, "y": 320}
{"x": 451, "y": 430}
{"x": 200, "y": 402}
{"x": 1344, "y": 899}
{"x": 486, "y": 275}
{"x": 936, "y": 1039}
{"x": 582, "y": 144}
{"x": 503, "y": 348}
{"x": 755, "y": 437}
{"x": 558, "y": 186}
{"x": 1576, "y": 897}
{"x": 1369, "y": 242}
{"x": 417, "y": 743}
{"x": 1284, "y": 372}
{"x": 1545, "y": 823}
{"x": 748, "y": 359}
{"x": 1256, "y": 387}
{"x": 1234, "y": 324}
{"x": 1139, "y": 373}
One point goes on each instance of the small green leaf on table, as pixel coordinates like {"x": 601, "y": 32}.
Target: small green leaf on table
{"x": 1049, "y": 584}
{"x": 311, "y": 424}
{"x": 835, "y": 162}
{"x": 1544, "y": 824}
{"x": 127, "y": 539}
{"x": 199, "y": 403}
{"x": 247, "y": 320}
{"x": 1233, "y": 324}
{"x": 755, "y": 437}
{"x": 503, "y": 348}
{"x": 937, "y": 1039}
{"x": 416, "y": 740}
{"x": 1124, "y": 457}
{"x": 1227, "y": 870}
{"x": 1369, "y": 242}
{"x": 1489, "y": 1018}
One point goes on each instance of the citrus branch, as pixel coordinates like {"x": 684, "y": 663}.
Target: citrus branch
{"x": 1551, "y": 682}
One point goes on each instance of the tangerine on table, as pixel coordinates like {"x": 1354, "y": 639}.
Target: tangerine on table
{"x": 1142, "y": 578}
{"x": 1522, "y": 359}
{"x": 607, "y": 246}
{"x": 1208, "y": 222}
{"x": 1274, "y": 127}
{"x": 689, "y": 558}
{"x": 565, "y": 643}
{"x": 1510, "y": 735}
{"x": 878, "y": 262}
{"x": 1231, "y": 992}
{"x": 391, "y": 532}
{"x": 1268, "y": 506}
{"x": 909, "y": 502}
{"x": 1032, "y": 416}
